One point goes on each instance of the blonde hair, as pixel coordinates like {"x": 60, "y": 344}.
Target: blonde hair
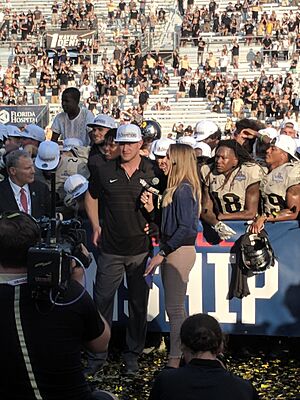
{"x": 183, "y": 168}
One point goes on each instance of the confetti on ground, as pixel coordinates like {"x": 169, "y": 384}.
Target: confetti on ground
{"x": 274, "y": 376}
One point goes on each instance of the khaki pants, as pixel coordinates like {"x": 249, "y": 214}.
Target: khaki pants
{"x": 175, "y": 275}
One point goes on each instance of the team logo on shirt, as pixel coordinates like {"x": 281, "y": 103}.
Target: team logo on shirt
{"x": 278, "y": 178}
{"x": 240, "y": 177}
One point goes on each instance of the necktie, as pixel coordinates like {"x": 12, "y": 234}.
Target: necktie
{"x": 23, "y": 199}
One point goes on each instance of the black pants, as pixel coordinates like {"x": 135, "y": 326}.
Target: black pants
{"x": 110, "y": 273}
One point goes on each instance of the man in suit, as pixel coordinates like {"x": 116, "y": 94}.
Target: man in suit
{"x": 19, "y": 192}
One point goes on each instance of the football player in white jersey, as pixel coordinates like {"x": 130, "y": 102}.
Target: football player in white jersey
{"x": 280, "y": 188}
{"x": 230, "y": 185}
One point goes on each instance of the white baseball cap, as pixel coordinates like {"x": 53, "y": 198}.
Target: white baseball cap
{"x": 287, "y": 144}
{"x": 289, "y": 122}
{"x": 103, "y": 120}
{"x": 48, "y": 156}
{"x": 161, "y": 146}
{"x": 204, "y": 129}
{"x": 128, "y": 133}
{"x": 35, "y": 132}
{"x": 270, "y": 132}
{"x": 74, "y": 186}
{"x": 69, "y": 143}
{"x": 206, "y": 149}
{"x": 189, "y": 140}
{"x": 13, "y": 131}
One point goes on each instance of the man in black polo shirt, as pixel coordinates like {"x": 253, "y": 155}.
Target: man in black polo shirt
{"x": 101, "y": 125}
{"x": 124, "y": 246}
{"x": 41, "y": 342}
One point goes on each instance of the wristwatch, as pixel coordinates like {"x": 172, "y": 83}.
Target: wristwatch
{"x": 162, "y": 253}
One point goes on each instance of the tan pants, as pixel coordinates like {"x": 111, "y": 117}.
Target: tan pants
{"x": 175, "y": 275}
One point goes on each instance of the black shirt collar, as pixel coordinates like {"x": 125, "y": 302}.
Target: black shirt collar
{"x": 199, "y": 362}
{"x": 142, "y": 166}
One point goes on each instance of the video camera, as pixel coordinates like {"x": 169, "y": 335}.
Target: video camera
{"x": 49, "y": 262}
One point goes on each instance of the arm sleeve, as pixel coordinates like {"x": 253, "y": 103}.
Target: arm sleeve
{"x": 93, "y": 324}
{"x": 184, "y": 204}
{"x": 56, "y": 125}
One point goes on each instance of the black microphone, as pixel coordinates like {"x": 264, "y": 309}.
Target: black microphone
{"x": 149, "y": 188}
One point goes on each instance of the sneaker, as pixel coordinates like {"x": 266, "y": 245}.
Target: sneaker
{"x": 131, "y": 365}
{"x": 93, "y": 367}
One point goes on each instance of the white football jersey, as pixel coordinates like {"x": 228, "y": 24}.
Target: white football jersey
{"x": 275, "y": 184}
{"x": 230, "y": 197}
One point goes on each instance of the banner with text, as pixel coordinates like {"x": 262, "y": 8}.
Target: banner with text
{"x": 69, "y": 39}
{"x": 24, "y": 115}
{"x": 272, "y": 308}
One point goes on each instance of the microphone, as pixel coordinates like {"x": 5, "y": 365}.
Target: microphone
{"x": 149, "y": 188}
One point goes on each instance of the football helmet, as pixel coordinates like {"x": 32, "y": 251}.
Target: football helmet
{"x": 151, "y": 128}
{"x": 257, "y": 253}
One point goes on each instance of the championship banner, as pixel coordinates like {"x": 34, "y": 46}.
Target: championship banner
{"x": 24, "y": 115}
{"x": 272, "y": 308}
{"x": 69, "y": 38}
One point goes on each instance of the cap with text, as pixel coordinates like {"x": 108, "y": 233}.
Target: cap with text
{"x": 74, "y": 187}
{"x": 161, "y": 147}
{"x": 103, "y": 121}
{"x": 128, "y": 133}
{"x": 48, "y": 156}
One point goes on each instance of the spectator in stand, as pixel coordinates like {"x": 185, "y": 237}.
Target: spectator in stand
{"x": 54, "y": 16}
{"x": 181, "y": 88}
{"x": 143, "y": 97}
{"x": 85, "y": 90}
{"x": 184, "y": 65}
{"x": 201, "y": 48}
{"x": 237, "y": 106}
{"x": 224, "y": 61}
{"x": 249, "y": 29}
{"x": 235, "y": 51}
{"x": 156, "y": 84}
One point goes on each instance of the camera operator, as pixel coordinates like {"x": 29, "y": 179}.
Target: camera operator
{"x": 41, "y": 341}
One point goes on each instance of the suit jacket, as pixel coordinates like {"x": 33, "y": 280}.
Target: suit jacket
{"x": 40, "y": 198}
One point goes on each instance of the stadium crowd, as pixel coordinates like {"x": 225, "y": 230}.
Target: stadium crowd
{"x": 254, "y": 175}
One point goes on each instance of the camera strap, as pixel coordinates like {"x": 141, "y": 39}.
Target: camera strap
{"x": 13, "y": 282}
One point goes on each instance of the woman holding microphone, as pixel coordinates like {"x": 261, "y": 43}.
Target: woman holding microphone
{"x": 179, "y": 226}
